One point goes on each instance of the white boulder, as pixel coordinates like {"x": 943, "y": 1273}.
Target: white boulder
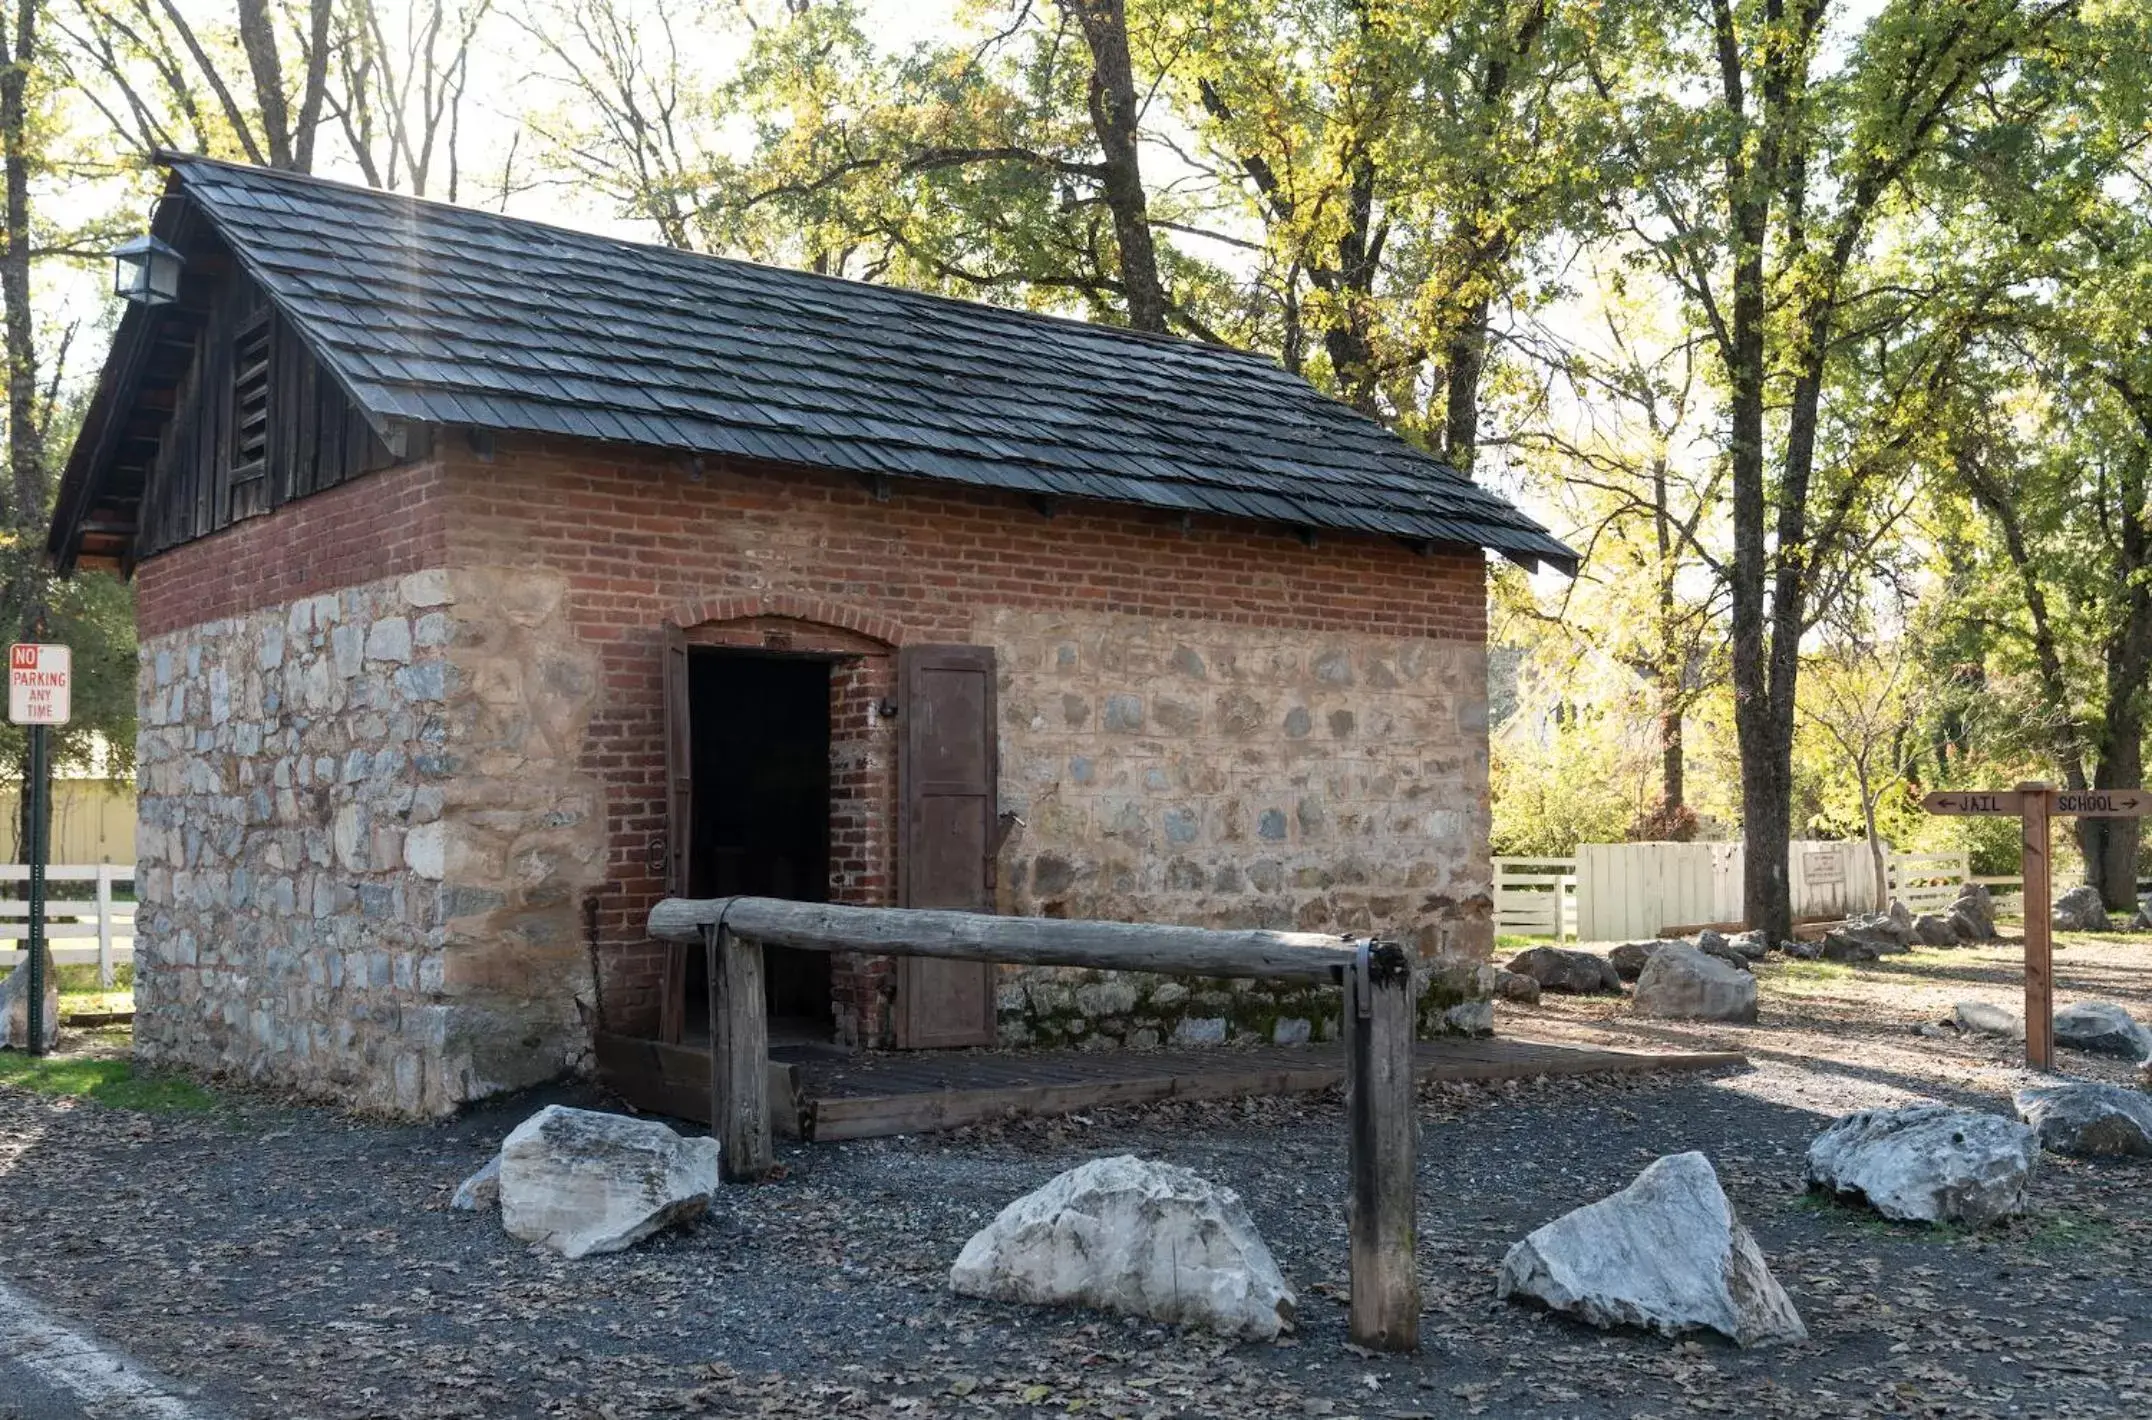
{"x": 576, "y": 1181}
{"x": 2103, "y": 1028}
{"x": 1683, "y": 983}
{"x": 1666, "y": 1254}
{"x": 15, "y": 1008}
{"x": 1128, "y": 1235}
{"x": 2089, "y": 1119}
{"x": 1927, "y": 1163}
{"x": 1980, "y": 1018}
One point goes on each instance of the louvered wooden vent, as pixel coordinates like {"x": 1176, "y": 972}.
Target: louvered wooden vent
{"x": 250, "y": 400}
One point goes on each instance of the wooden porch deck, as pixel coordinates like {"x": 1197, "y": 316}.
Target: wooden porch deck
{"x": 819, "y": 1095}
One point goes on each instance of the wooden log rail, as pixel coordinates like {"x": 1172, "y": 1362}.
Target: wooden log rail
{"x": 1378, "y": 1010}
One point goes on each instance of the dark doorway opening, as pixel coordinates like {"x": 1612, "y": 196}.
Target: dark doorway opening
{"x": 762, "y": 800}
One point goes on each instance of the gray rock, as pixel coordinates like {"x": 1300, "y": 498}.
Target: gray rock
{"x": 1972, "y": 916}
{"x": 1725, "y": 953}
{"x": 1710, "y": 940}
{"x": 1754, "y": 945}
{"x": 1848, "y": 946}
{"x": 1666, "y": 1254}
{"x": 1980, "y": 1018}
{"x": 2081, "y": 910}
{"x": 2103, "y": 1028}
{"x": 576, "y": 1182}
{"x": 2091, "y": 1120}
{"x": 1798, "y": 950}
{"x": 2142, "y": 922}
{"x": 1934, "y": 931}
{"x": 481, "y": 1192}
{"x": 1132, "y": 1236}
{"x": 1682, "y": 983}
{"x": 1516, "y": 986}
{"x": 1629, "y": 958}
{"x": 1927, "y": 1163}
{"x": 1567, "y": 969}
{"x": 15, "y": 1007}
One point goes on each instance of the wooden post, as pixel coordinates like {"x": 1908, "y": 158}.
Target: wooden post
{"x": 739, "y": 1057}
{"x": 104, "y": 926}
{"x": 1382, "y": 1125}
{"x": 2039, "y": 940}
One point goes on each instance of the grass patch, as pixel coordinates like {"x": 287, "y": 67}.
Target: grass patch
{"x": 1515, "y": 942}
{"x": 105, "y": 1080}
{"x": 1793, "y": 969}
{"x": 2060, "y": 1232}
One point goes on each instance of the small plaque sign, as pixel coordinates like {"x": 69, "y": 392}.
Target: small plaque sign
{"x": 1824, "y": 868}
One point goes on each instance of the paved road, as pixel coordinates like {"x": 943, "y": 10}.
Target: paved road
{"x": 51, "y": 1369}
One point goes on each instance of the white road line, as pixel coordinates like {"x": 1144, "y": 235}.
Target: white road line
{"x": 66, "y": 1359}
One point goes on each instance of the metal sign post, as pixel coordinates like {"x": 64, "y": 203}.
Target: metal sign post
{"x": 2036, "y": 804}
{"x": 39, "y": 686}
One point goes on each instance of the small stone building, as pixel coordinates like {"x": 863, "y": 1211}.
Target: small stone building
{"x": 496, "y": 581}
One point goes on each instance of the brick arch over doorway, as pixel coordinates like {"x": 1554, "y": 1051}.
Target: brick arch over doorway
{"x": 859, "y": 649}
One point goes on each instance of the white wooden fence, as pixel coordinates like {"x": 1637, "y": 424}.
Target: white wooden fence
{"x": 1929, "y": 882}
{"x": 103, "y": 920}
{"x": 1536, "y": 897}
{"x": 1623, "y": 891}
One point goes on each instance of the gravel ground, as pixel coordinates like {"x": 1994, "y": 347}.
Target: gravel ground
{"x": 284, "y": 1262}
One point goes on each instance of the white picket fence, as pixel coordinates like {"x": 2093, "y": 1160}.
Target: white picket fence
{"x": 1623, "y": 891}
{"x": 102, "y": 920}
{"x": 1536, "y": 897}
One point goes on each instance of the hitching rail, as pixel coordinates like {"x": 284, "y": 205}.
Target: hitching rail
{"x": 1378, "y": 1012}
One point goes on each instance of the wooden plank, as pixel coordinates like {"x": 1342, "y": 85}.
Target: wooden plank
{"x": 739, "y": 1055}
{"x": 675, "y": 1080}
{"x": 1029, "y": 941}
{"x": 1382, "y": 1145}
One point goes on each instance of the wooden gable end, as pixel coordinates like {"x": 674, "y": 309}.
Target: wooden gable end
{"x": 224, "y": 414}
{"x": 255, "y": 423}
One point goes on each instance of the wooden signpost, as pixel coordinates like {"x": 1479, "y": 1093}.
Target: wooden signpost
{"x": 2034, "y": 804}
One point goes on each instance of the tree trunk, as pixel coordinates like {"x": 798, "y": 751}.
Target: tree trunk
{"x": 25, "y": 442}
{"x": 1463, "y": 364}
{"x": 1113, "y": 119}
{"x": 257, "y": 36}
{"x": 1673, "y": 788}
{"x": 1875, "y": 844}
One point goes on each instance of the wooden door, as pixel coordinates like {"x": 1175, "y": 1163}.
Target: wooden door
{"x": 946, "y": 774}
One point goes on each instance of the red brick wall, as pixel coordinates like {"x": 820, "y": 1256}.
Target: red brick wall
{"x": 381, "y": 525}
{"x": 643, "y": 542}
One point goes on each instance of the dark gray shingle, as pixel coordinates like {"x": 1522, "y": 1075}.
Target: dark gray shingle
{"x": 440, "y": 313}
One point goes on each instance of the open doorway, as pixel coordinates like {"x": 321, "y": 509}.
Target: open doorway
{"x": 761, "y": 747}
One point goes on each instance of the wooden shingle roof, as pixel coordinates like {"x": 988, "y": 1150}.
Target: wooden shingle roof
{"x": 437, "y": 314}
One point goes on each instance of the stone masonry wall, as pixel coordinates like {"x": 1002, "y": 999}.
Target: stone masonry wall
{"x": 1223, "y": 776}
{"x": 361, "y": 822}
{"x": 391, "y": 819}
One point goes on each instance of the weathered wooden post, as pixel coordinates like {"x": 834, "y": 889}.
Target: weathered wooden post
{"x": 1382, "y": 1126}
{"x": 739, "y": 1057}
{"x": 2039, "y": 927}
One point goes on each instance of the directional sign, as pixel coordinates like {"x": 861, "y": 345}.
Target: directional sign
{"x": 1996, "y": 801}
{"x": 37, "y": 683}
{"x": 2103, "y": 803}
